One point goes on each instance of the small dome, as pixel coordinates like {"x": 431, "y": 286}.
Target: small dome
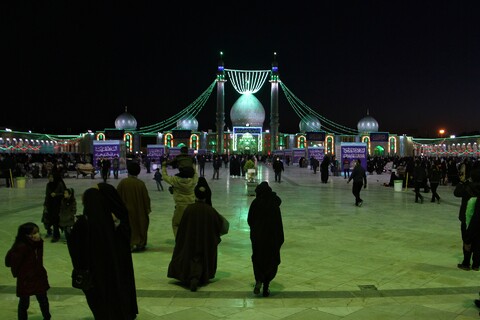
{"x": 367, "y": 124}
{"x": 125, "y": 121}
{"x": 188, "y": 123}
{"x": 247, "y": 110}
{"x": 309, "y": 123}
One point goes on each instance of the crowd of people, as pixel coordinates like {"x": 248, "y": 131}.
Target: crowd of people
{"x": 115, "y": 222}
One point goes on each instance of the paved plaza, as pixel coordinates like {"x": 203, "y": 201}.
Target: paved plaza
{"x": 392, "y": 258}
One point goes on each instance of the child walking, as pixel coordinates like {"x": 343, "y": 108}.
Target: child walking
{"x": 158, "y": 178}
{"x": 25, "y": 259}
{"x": 68, "y": 210}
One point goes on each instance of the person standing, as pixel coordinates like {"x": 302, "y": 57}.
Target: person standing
{"x": 25, "y": 259}
{"x": 434, "y": 177}
{"x": 116, "y": 166}
{"x": 194, "y": 259}
{"x": 315, "y": 164}
{"x": 419, "y": 177}
{"x": 53, "y": 198}
{"x": 95, "y": 246}
{"x": 359, "y": 178}
{"x": 105, "y": 168}
{"x": 324, "y": 169}
{"x": 183, "y": 184}
{"x": 158, "y": 179}
{"x": 346, "y": 168}
{"x": 201, "y": 164}
{"x": 266, "y": 236}
{"x": 217, "y": 164}
{"x": 122, "y": 233}
{"x": 134, "y": 194}
{"x": 277, "y": 169}
{"x": 68, "y": 210}
{"x": 467, "y": 189}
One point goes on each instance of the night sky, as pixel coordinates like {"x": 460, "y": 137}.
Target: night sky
{"x": 70, "y": 66}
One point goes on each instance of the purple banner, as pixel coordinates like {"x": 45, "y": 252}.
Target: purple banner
{"x": 297, "y": 154}
{"x": 155, "y": 152}
{"x": 354, "y": 151}
{"x": 106, "y": 150}
{"x": 316, "y": 152}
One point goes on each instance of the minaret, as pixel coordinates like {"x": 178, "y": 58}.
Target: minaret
{"x": 274, "y": 117}
{"x": 220, "y": 117}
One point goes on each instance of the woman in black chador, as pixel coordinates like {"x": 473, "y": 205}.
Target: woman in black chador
{"x": 100, "y": 241}
{"x": 266, "y": 234}
{"x": 324, "y": 169}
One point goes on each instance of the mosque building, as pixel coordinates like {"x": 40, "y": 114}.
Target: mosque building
{"x": 248, "y": 133}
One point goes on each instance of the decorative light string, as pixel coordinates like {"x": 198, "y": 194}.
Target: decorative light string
{"x": 247, "y": 81}
{"x": 303, "y": 111}
{"x": 190, "y": 112}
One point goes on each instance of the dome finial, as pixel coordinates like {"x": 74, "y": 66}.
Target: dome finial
{"x": 368, "y": 112}
{"x": 125, "y": 108}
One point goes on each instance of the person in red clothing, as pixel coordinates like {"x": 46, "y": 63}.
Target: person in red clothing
{"x": 25, "y": 259}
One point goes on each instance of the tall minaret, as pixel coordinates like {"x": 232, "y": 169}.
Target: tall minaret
{"x": 274, "y": 117}
{"x": 220, "y": 117}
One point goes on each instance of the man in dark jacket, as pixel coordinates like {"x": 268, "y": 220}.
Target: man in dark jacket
{"x": 359, "y": 178}
{"x": 419, "y": 177}
{"x": 278, "y": 168}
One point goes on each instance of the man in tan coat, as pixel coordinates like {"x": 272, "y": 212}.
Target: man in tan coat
{"x": 134, "y": 194}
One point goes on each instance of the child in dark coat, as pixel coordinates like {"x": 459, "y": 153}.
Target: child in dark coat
{"x": 158, "y": 178}
{"x": 25, "y": 259}
{"x": 68, "y": 210}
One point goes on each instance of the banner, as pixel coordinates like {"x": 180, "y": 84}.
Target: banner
{"x": 315, "y": 136}
{"x": 379, "y": 137}
{"x": 317, "y": 153}
{"x": 155, "y": 151}
{"x": 297, "y": 154}
{"x": 354, "y": 151}
{"x": 106, "y": 149}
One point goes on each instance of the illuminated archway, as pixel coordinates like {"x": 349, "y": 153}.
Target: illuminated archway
{"x": 100, "y": 137}
{"x": 366, "y": 140}
{"x": 392, "y": 145}
{"x": 127, "y": 137}
{"x": 194, "y": 138}
{"x": 168, "y": 140}
{"x": 301, "y": 142}
{"x": 329, "y": 142}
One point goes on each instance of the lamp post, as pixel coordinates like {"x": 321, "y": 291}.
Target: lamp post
{"x": 441, "y": 132}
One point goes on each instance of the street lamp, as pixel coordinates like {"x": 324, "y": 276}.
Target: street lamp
{"x": 441, "y": 132}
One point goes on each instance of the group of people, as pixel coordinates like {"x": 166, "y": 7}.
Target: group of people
{"x": 115, "y": 223}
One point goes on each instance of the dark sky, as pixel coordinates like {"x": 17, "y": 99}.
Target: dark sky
{"x": 69, "y": 66}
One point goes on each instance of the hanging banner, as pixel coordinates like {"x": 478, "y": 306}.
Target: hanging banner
{"x": 107, "y": 150}
{"x": 317, "y": 153}
{"x": 297, "y": 154}
{"x": 354, "y": 151}
{"x": 379, "y": 136}
{"x": 155, "y": 152}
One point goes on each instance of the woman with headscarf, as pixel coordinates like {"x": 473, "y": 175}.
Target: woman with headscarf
{"x": 194, "y": 259}
{"x": 93, "y": 246}
{"x": 266, "y": 235}
{"x": 117, "y": 208}
{"x": 202, "y": 182}
{"x": 54, "y": 194}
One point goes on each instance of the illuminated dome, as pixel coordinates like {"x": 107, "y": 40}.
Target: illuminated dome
{"x": 309, "y": 123}
{"x": 126, "y": 121}
{"x": 367, "y": 124}
{"x": 247, "y": 111}
{"x": 187, "y": 123}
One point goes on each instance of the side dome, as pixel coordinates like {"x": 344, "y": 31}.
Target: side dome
{"x": 126, "y": 121}
{"x": 187, "y": 124}
{"x": 247, "y": 111}
{"x": 309, "y": 123}
{"x": 367, "y": 124}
